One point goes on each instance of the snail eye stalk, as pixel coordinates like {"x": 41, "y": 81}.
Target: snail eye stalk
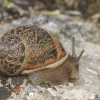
{"x": 79, "y": 57}
{"x": 73, "y": 47}
{"x": 73, "y": 51}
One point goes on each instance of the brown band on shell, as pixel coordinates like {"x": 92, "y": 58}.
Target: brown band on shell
{"x": 53, "y": 65}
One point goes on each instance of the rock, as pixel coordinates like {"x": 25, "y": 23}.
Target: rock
{"x": 4, "y": 93}
{"x": 87, "y": 38}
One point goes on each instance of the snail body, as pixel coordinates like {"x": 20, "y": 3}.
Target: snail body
{"x": 38, "y": 53}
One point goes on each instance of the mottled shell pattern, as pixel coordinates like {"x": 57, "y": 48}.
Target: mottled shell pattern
{"x": 25, "y": 49}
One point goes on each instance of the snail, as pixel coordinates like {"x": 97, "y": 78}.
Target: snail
{"x": 36, "y": 52}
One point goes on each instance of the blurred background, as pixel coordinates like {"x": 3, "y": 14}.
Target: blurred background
{"x": 15, "y": 9}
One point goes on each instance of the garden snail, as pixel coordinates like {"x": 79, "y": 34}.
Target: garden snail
{"x": 31, "y": 50}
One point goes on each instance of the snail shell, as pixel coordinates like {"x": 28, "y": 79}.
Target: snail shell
{"x": 28, "y": 48}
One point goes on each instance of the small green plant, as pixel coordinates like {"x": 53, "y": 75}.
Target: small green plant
{"x": 5, "y": 3}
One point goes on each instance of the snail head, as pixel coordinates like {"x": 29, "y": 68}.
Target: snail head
{"x": 75, "y": 60}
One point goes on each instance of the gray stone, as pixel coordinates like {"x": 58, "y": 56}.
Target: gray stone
{"x": 88, "y": 38}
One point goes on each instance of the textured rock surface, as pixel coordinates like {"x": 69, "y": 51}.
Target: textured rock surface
{"x": 64, "y": 27}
